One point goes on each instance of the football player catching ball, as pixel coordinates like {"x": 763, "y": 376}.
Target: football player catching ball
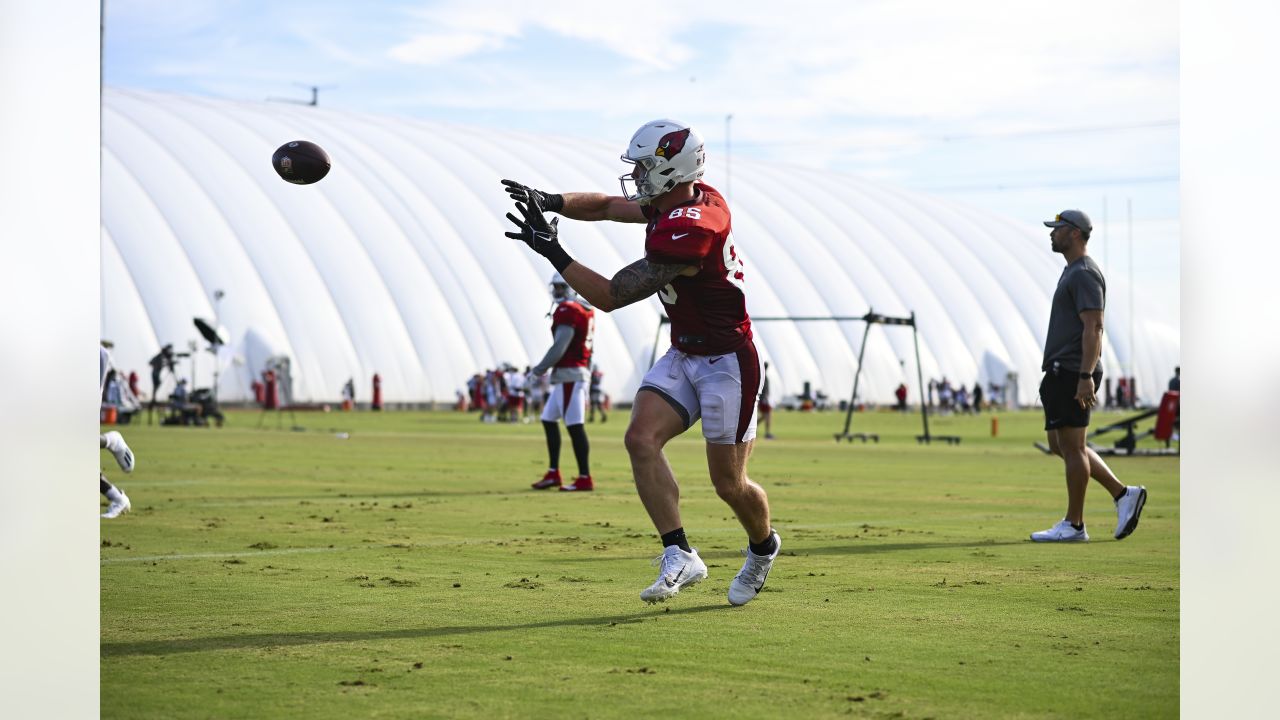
{"x": 712, "y": 370}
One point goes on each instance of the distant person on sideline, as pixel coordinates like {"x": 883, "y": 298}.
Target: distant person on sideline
{"x": 597, "y": 395}
{"x": 117, "y": 502}
{"x": 1073, "y": 371}
{"x": 159, "y": 362}
{"x": 1175, "y": 382}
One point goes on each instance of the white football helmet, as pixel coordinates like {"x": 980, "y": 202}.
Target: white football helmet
{"x": 560, "y": 290}
{"x": 665, "y": 153}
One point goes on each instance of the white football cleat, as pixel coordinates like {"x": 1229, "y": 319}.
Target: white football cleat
{"x": 1062, "y": 532}
{"x": 1128, "y": 508}
{"x": 119, "y": 448}
{"x": 117, "y": 507}
{"x": 679, "y": 570}
{"x": 750, "y": 579}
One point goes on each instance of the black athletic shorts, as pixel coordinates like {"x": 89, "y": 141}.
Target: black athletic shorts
{"x": 1058, "y": 395}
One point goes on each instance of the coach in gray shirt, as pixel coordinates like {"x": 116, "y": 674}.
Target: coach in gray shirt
{"x": 1073, "y": 371}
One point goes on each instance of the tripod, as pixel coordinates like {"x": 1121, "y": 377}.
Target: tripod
{"x": 157, "y": 381}
{"x": 280, "y": 419}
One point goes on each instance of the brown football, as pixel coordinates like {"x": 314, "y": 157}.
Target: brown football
{"x": 301, "y": 162}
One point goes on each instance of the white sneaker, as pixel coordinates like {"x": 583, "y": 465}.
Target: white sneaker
{"x": 119, "y": 448}
{"x": 117, "y": 507}
{"x": 750, "y": 579}
{"x": 679, "y": 569}
{"x": 1062, "y": 532}
{"x": 1128, "y": 508}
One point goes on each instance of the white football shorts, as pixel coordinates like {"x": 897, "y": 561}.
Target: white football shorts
{"x": 722, "y": 390}
{"x": 568, "y": 401}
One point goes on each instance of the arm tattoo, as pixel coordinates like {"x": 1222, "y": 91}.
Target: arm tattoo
{"x": 641, "y": 279}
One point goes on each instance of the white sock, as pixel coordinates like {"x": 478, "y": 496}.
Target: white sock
{"x": 114, "y": 495}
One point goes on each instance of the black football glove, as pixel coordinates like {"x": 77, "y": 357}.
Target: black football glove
{"x": 524, "y": 194}
{"x": 541, "y": 236}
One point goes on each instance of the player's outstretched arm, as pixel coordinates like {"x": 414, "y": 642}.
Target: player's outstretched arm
{"x": 631, "y": 284}
{"x": 635, "y": 282}
{"x": 598, "y": 206}
{"x": 586, "y": 206}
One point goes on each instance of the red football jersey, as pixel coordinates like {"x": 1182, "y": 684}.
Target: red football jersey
{"x": 708, "y": 311}
{"x": 583, "y": 322}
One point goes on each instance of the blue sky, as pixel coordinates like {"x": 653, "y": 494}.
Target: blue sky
{"x": 1019, "y": 107}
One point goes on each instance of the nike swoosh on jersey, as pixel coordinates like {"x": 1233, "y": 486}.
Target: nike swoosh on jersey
{"x": 715, "y": 360}
{"x": 678, "y": 236}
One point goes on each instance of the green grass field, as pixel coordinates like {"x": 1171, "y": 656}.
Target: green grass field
{"x": 407, "y": 571}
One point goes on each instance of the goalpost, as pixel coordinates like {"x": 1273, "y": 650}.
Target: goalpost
{"x": 871, "y": 318}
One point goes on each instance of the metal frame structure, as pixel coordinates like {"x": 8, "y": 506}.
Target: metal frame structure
{"x": 871, "y": 318}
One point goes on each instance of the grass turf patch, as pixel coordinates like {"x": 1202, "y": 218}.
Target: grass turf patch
{"x": 407, "y": 570}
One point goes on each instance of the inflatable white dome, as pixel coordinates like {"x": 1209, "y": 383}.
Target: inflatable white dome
{"x": 396, "y": 263}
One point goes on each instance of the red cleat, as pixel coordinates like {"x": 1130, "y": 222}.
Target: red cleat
{"x": 550, "y": 480}
{"x": 582, "y": 482}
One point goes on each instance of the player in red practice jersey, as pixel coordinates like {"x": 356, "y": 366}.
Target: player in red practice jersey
{"x": 573, "y": 328}
{"x": 712, "y": 370}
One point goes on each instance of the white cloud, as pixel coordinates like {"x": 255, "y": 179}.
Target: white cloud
{"x": 811, "y": 64}
{"x": 868, "y": 86}
{"x": 657, "y": 48}
{"x": 438, "y": 49}
{"x": 487, "y": 26}
{"x": 963, "y": 60}
{"x": 335, "y": 50}
{"x": 164, "y": 17}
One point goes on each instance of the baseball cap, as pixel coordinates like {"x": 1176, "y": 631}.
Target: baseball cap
{"x": 1074, "y": 218}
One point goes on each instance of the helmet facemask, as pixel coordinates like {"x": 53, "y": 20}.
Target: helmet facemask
{"x": 561, "y": 293}
{"x": 560, "y": 290}
{"x": 645, "y": 189}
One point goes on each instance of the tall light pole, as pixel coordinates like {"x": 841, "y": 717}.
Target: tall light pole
{"x": 217, "y": 328}
{"x": 1106, "y": 237}
{"x": 1133, "y": 310}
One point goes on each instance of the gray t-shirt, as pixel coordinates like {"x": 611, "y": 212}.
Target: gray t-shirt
{"x": 1080, "y": 288}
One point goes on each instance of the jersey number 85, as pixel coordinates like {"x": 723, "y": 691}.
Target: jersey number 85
{"x": 733, "y": 270}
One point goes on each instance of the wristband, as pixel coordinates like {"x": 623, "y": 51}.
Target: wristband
{"x": 559, "y": 258}
{"x": 553, "y": 202}
{"x": 1086, "y": 376}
